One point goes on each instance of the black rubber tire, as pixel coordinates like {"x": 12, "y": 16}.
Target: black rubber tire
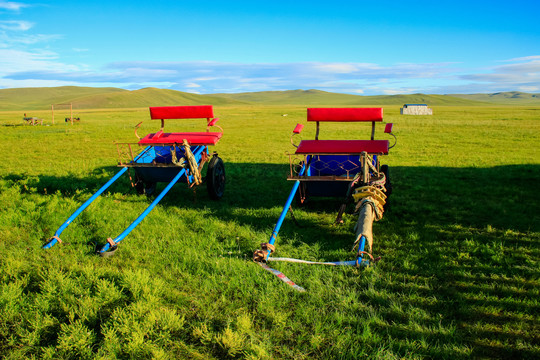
{"x": 388, "y": 185}
{"x": 215, "y": 178}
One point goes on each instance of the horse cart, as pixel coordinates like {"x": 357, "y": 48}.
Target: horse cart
{"x": 347, "y": 169}
{"x": 166, "y": 157}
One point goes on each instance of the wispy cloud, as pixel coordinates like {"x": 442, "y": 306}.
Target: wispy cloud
{"x": 15, "y": 25}
{"x": 208, "y": 76}
{"x": 12, "y": 6}
{"x": 521, "y": 74}
{"x": 359, "y": 78}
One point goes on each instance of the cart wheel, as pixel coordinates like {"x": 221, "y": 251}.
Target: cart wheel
{"x": 215, "y": 178}
{"x": 388, "y": 185}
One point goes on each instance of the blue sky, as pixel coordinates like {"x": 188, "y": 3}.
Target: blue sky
{"x": 356, "y": 47}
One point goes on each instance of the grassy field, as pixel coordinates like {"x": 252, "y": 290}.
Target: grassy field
{"x": 458, "y": 279}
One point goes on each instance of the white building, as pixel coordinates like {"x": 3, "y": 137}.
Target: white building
{"x": 416, "y": 109}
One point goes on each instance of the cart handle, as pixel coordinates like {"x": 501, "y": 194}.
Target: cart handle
{"x": 388, "y": 130}
{"x": 213, "y": 123}
{"x": 296, "y": 131}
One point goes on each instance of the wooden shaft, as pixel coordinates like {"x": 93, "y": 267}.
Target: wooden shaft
{"x": 364, "y": 225}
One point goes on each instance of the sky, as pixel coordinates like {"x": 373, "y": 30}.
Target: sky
{"x": 355, "y": 47}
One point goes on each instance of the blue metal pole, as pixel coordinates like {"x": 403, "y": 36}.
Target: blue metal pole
{"x": 134, "y": 224}
{"x": 77, "y": 212}
{"x": 361, "y": 247}
{"x": 286, "y": 207}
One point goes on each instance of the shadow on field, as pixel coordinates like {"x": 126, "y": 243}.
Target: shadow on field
{"x": 464, "y": 244}
{"x": 460, "y": 248}
{"x": 502, "y": 197}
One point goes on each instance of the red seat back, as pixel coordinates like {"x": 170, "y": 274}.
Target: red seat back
{"x": 182, "y": 112}
{"x": 344, "y": 114}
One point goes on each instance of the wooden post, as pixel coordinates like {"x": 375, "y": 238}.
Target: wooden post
{"x": 71, "y": 112}
{"x": 52, "y": 109}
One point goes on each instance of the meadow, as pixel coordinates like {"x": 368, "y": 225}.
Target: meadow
{"x": 458, "y": 278}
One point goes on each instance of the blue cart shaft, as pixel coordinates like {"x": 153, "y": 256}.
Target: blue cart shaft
{"x": 360, "y": 258}
{"x": 286, "y": 207}
{"x": 134, "y": 224}
{"x": 77, "y": 212}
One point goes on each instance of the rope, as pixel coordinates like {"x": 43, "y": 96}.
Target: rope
{"x": 300, "y": 261}
{"x": 57, "y": 238}
{"x": 377, "y": 207}
{"x": 373, "y": 196}
{"x": 192, "y": 162}
{"x": 174, "y": 158}
{"x": 260, "y": 255}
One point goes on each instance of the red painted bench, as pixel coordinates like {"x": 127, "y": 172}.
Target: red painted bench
{"x": 182, "y": 112}
{"x": 343, "y": 146}
{"x": 318, "y": 147}
{"x": 344, "y": 114}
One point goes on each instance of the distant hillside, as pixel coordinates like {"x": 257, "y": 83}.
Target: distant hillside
{"x": 318, "y": 97}
{"x": 42, "y": 98}
{"x": 504, "y": 98}
{"x": 98, "y": 98}
{"x": 149, "y": 97}
{"x": 94, "y": 98}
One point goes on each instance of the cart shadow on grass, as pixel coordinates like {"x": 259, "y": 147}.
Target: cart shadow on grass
{"x": 459, "y": 245}
{"x": 502, "y": 197}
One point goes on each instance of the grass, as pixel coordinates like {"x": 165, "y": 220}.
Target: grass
{"x": 458, "y": 279}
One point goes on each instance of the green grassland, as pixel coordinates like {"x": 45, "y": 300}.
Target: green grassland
{"x": 458, "y": 279}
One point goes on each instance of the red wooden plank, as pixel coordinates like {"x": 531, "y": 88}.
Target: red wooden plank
{"x": 344, "y": 114}
{"x": 194, "y": 138}
{"x": 342, "y": 146}
{"x": 182, "y": 112}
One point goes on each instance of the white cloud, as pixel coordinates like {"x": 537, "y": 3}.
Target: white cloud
{"x": 213, "y": 76}
{"x": 15, "y": 25}
{"x": 14, "y": 61}
{"x": 523, "y": 73}
{"x": 525, "y": 58}
{"x": 12, "y": 6}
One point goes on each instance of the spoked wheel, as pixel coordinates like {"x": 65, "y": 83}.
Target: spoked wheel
{"x": 215, "y": 178}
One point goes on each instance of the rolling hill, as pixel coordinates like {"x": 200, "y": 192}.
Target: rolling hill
{"x": 148, "y": 97}
{"x": 26, "y": 99}
{"x": 318, "y": 97}
{"x": 42, "y": 98}
{"x": 99, "y": 98}
{"x": 503, "y": 98}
